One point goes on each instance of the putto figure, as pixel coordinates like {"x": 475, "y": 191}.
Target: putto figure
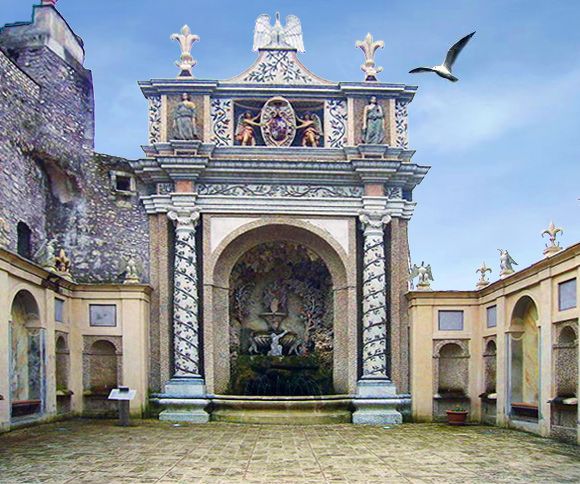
{"x": 266, "y": 35}
{"x": 245, "y": 129}
{"x": 373, "y": 130}
{"x": 184, "y": 119}
{"x": 312, "y": 129}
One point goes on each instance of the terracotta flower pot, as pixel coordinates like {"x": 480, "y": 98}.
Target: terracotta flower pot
{"x": 457, "y": 417}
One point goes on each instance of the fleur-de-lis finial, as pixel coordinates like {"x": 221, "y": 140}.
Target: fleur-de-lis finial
{"x": 554, "y": 247}
{"x": 482, "y": 281}
{"x": 369, "y": 48}
{"x": 186, "y": 41}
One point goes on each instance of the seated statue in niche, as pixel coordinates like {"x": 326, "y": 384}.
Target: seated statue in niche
{"x": 184, "y": 119}
{"x": 245, "y": 128}
{"x": 312, "y": 129}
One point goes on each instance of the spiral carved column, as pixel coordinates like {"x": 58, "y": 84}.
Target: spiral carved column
{"x": 185, "y": 296}
{"x": 374, "y": 297}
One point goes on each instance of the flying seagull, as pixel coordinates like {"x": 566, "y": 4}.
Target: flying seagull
{"x": 444, "y": 70}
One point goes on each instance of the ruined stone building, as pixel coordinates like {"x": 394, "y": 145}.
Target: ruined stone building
{"x": 254, "y": 263}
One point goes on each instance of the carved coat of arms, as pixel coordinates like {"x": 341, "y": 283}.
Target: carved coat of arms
{"x": 278, "y": 122}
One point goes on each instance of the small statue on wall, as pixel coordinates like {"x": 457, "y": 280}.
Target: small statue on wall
{"x": 62, "y": 265}
{"x": 506, "y": 263}
{"x": 245, "y": 129}
{"x": 131, "y": 271}
{"x": 312, "y": 129}
{"x": 483, "y": 282}
{"x": 184, "y": 119}
{"x": 424, "y": 274}
{"x": 373, "y": 130}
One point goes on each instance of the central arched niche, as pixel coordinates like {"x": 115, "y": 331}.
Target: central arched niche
{"x": 281, "y": 322}
{"x": 218, "y": 267}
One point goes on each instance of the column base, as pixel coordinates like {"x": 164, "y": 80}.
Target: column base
{"x": 184, "y": 401}
{"x": 376, "y": 403}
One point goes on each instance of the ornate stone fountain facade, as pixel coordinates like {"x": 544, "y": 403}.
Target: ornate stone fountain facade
{"x": 290, "y": 232}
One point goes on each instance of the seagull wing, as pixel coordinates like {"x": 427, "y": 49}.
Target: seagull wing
{"x": 419, "y": 70}
{"x": 262, "y": 32}
{"x": 455, "y": 50}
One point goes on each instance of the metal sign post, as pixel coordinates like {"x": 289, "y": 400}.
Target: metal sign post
{"x": 124, "y": 396}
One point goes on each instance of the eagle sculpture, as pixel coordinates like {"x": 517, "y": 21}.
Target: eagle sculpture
{"x": 266, "y": 35}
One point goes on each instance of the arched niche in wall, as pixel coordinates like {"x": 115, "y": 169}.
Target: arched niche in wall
{"x": 102, "y": 370}
{"x": 564, "y": 415}
{"x": 62, "y": 360}
{"x": 490, "y": 366}
{"x": 452, "y": 369}
{"x": 103, "y": 367}
{"x": 27, "y": 378}
{"x": 281, "y": 322}
{"x": 566, "y": 361}
{"x": 524, "y": 359}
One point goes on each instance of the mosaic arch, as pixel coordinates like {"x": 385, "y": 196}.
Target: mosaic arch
{"x": 270, "y": 292}
{"x": 27, "y": 378}
{"x": 524, "y": 359}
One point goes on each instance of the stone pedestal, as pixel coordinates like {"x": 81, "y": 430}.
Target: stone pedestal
{"x": 184, "y": 401}
{"x": 376, "y": 403}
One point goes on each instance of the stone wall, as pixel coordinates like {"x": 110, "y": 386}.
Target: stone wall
{"x": 20, "y": 178}
{"x": 48, "y": 162}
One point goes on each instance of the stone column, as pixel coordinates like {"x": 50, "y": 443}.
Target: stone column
{"x": 374, "y": 297}
{"x": 185, "y": 394}
{"x": 185, "y": 297}
{"x": 376, "y": 401}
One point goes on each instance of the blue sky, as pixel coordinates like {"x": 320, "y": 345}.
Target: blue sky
{"x": 502, "y": 142}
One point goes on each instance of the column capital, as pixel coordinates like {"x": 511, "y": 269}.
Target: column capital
{"x": 374, "y": 219}
{"x": 185, "y": 219}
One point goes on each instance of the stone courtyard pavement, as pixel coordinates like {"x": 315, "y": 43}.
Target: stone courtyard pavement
{"x": 84, "y": 451}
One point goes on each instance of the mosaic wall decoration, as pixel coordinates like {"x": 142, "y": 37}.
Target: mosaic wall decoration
{"x": 402, "y": 124}
{"x": 222, "y": 127}
{"x": 278, "y": 67}
{"x": 154, "y": 119}
{"x": 335, "y": 124}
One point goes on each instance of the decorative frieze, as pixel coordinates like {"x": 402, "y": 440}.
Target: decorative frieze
{"x": 374, "y": 297}
{"x": 222, "y": 119}
{"x": 275, "y": 190}
{"x": 278, "y": 67}
{"x": 335, "y": 124}
{"x": 185, "y": 295}
{"x": 401, "y": 124}
{"x": 154, "y": 119}
{"x": 395, "y": 193}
